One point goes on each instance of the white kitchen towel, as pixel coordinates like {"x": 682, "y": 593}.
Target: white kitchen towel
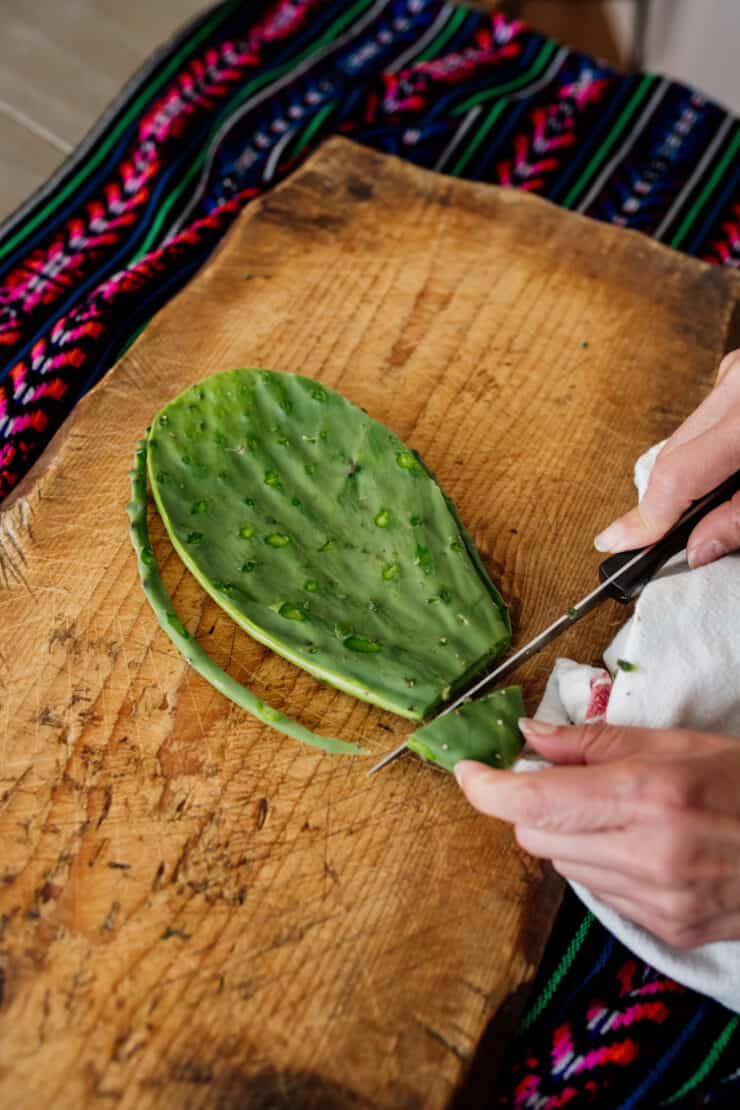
{"x": 683, "y": 641}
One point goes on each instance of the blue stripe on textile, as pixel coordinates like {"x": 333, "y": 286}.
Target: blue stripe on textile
{"x": 590, "y": 142}
{"x": 661, "y": 1066}
{"x": 719, "y": 204}
{"x": 476, "y": 171}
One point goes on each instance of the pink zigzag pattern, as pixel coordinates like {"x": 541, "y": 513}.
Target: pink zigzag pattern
{"x": 552, "y": 128}
{"x": 74, "y": 251}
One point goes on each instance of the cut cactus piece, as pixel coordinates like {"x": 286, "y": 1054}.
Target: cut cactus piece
{"x": 485, "y": 729}
{"x": 325, "y": 538}
{"x": 164, "y": 609}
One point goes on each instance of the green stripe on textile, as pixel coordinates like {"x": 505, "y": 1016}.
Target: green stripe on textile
{"x": 511, "y": 86}
{"x": 245, "y": 93}
{"x": 627, "y": 112}
{"x": 707, "y": 190}
{"x": 557, "y": 976}
{"x": 710, "y": 1060}
{"x": 444, "y": 36}
{"x": 313, "y": 126}
{"x": 165, "y": 208}
{"x": 133, "y": 111}
{"x": 480, "y": 135}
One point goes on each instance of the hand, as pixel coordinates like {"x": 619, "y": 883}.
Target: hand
{"x": 699, "y": 455}
{"x": 646, "y": 819}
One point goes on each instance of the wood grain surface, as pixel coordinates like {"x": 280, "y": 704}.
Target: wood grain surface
{"x": 195, "y": 911}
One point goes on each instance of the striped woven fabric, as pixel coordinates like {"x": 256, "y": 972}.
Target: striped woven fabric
{"x": 225, "y": 111}
{"x": 248, "y": 90}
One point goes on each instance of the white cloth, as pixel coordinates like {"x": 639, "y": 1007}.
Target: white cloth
{"x": 684, "y": 642}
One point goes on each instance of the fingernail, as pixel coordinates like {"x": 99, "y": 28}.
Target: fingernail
{"x": 460, "y": 772}
{"x": 609, "y": 538}
{"x": 704, "y": 553}
{"x": 531, "y": 727}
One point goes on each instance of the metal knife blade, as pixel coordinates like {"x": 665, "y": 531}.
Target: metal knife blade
{"x": 623, "y": 577}
{"x": 589, "y": 602}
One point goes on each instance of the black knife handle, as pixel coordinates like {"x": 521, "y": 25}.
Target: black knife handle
{"x": 648, "y": 561}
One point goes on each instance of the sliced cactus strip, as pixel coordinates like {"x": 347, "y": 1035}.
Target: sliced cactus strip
{"x": 485, "y": 729}
{"x": 199, "y": 659}
{"x": 325, "y": 538}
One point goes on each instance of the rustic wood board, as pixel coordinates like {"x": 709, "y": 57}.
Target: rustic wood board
{"x": 195, "y": 911}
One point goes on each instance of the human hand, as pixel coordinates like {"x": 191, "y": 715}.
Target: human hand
{"x": 648, "y": 820}
{"x": 700, "y": 455}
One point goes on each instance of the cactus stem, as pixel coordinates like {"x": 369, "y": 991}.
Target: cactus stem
{"x": 199, "y": 659}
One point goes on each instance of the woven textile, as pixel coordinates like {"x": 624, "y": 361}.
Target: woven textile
{"x": 245, "y": 93}
{"x": 224, "y": 112}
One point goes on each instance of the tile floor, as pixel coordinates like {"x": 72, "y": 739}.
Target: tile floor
{"x": 61, "y": 63}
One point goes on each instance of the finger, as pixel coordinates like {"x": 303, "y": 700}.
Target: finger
{"x": 672, "y": 933}
{"x": 711, "y": 411}
{"x": 726, "y": 927}
{"x": 679, "y": 909}
{"x": 602, "y": 743}
{"x": 691, "y": 848}
{"x": 679, "y": 477}
{"x": 689, "y": 904}
{"x": 564, "y": 799}
{"x": 716, "y": 535}
{"x": 659, "y": 790}
{"x": 714, "y": 407}
{"x": 598, "y": 878}
{"x": 660, "y": 771}
{"x": 729, "y": 368}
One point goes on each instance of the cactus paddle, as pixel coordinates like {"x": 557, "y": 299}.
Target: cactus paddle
{"x": 324, "y": 537}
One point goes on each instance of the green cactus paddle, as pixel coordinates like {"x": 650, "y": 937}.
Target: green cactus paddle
{"x": 486, "y": 729}
{"x": 162, "y": 605}
{"x": 324, "y": 537}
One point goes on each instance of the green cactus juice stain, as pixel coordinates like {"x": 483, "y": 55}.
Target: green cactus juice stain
{"x": 292, "y": 612}
{"x": 277, "y": 539}
{"x": 361, "y": 643}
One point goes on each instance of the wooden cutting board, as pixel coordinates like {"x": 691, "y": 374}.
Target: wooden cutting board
{"x": 196, "y": 911}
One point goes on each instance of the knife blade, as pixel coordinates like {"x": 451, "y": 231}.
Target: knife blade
{"x": 623, "y": 577}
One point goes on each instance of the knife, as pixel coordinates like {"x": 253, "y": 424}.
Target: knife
{"x": 623, "y": 576}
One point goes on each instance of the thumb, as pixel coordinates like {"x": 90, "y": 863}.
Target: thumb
{"x": 601, "y": 743}
{"x": 716, "y": 535}
{"x": 679, "y": 477}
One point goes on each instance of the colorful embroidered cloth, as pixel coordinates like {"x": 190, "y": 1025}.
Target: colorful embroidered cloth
{"x": 225, "y": 111}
